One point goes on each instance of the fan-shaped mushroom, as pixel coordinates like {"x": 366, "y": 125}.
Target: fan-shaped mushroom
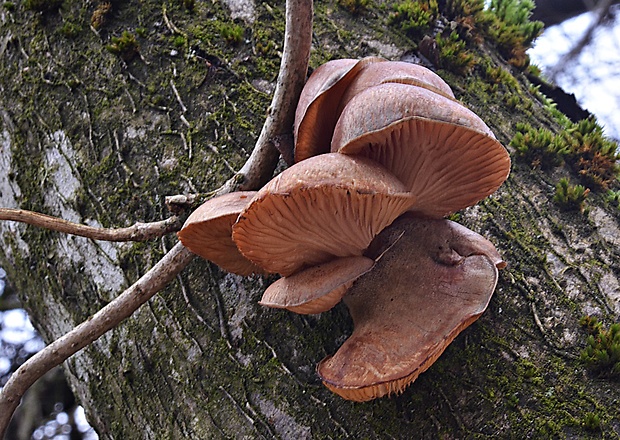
{"x": 443, "y": 153}
{"x": 374, "y": 74}
{"x": 316, "y": 114}
{"x": 208, "y": 232}
{"x": 434, "y": 279}
{"x": 327, "y": 206}
{"x": 318, "y": 288}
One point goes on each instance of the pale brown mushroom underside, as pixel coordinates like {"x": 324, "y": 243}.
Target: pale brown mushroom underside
{"x": 326, "y": 206}
{"x": 446, "y": 156}
{"x": 318, "y": 288}
{"x": 207, "y": 232}
{"x": 433, "y": 282}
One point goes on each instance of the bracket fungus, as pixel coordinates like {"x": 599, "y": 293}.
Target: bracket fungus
{"x": 363, "y": 223}
{"x": 442, "y": 151}
{"x": 207, "y": 232}
{"x": 327, "y": 206}
{"x": 436, "y": 278}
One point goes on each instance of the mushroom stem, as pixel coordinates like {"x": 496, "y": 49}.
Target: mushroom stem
{"x": 136, "y": 232}
{"x": 279, "y": 123}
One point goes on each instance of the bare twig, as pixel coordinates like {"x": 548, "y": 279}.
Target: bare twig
{"x": 176, "y": 94}
{"x": 136, "y": 232}
{"x": 256, "y": 171}
{"x": 293, "y": 69}
{"x": 90, "y": 330}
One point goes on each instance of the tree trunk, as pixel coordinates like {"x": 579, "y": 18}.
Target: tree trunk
{"x": 104, "y": 113}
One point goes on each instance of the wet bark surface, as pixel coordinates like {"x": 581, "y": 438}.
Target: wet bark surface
{"x": 99, "y": 125}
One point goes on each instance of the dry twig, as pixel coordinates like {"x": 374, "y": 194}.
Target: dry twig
{"x": 136, "y": 232}
{"x": 293, "y": 70}
{"x": 90, "y": 330}
{"x": 257, "y": 170}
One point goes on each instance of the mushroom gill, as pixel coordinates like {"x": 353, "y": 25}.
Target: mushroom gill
{"x": 442, "y": 151}
{"x": 207, "y": 232}
{"x": 431, "y": 280}
{"x": 318, "y": 288}
{"x": 327, "y": 206}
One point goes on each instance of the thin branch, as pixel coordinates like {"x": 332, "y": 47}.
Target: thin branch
{"x": 90, "y": 330}
{"x": 137, "y": 232}
{"x": 257, "y": 170}
{"x": 293, "y": 70}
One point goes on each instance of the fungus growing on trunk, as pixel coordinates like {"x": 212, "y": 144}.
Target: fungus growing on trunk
{"x": 315, "y": 116}
{"x": 208, "y": 232}
{"x": 433, "y": 279}
{"x": 327, "y": 206}
{"x": 442, "y": 151}
{"x": 318, "y": 288}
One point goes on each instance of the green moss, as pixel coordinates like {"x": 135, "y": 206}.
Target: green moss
{"x": 511, "y": 30}
{"x": 43, "y": 5}
{"x": 539, "y": 148}
{"x": 70, "y": 29}
{"x": 231, "y": 32}
{"x": 126, "y": 46}
{"x": 100, "y": 15}
{"x": 602, "y": 353}
{"x": 570, "y": 197}
{"x": 354, "y": 6}
{"x": 593, "y": 156}
{"x": 414, "y": 18}
{"x": 453, "y": 54}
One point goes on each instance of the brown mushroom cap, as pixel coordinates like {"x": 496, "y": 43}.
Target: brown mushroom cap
{"x": 326, "y": 206}
{"x": 374, "y": 74}
{"x": 318, "y": 288}
{"x": 443, "y": 153}
{"x": 208, "y": 232}
{"x": 434, "y": 279}
{"x": 316, "y": 114}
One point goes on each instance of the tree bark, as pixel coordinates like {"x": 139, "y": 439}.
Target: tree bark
{"x": 99, "y": 135}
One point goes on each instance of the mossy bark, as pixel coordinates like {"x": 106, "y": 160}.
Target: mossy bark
{"x": 101, "y": 136}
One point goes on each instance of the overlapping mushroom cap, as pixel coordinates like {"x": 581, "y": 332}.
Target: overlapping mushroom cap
{"x": 442, "y": 151}
{"x": 400, "y": 142}
{"x": 327, "y": 206}
{"x": 318, "y": 288}
{"x": 316, "y": 114}
{"x": 208, "y": 232}
{"x": 434, "y": 279}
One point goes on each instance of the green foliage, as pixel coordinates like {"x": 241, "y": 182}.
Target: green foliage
{"x": 582, "y": 145}
{"x": 231, "y": 32}
{"x": 9, "y": 6}
{"x": 126, "y": 46}
{"x": 602, "y": 352}
{"x": 540, "y": 148}
{"x": 354, "y": 6}
{"x": 613, "y": 197}
{"x": 453, "y": 54}
{"x": 570, "y": 197}
{"x": 593, "y": 156}
{"x": 592, "y": 422}
{"x": 414, "y": 18}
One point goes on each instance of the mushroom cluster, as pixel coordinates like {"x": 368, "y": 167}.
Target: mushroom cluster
{"x": 383, "y": 152}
